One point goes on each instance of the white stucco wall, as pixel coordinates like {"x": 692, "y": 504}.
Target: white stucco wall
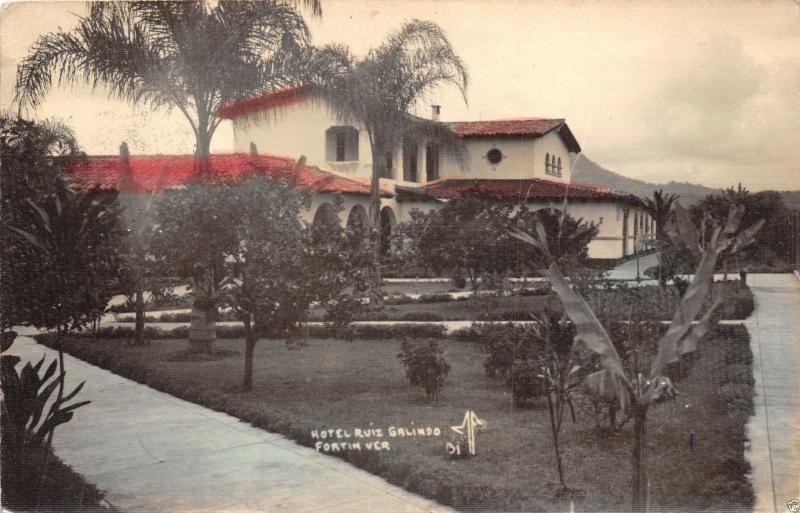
{"x": 300, "y": 129}
{"x": 552, "y": 144}
{"x": 522, "y": 158}
{"x": 296, "y": 130}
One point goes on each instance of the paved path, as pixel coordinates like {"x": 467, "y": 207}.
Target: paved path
{"x": 774, "y": 431}
{"x": 627, "y": 270}
{"x": 152, "y": 452}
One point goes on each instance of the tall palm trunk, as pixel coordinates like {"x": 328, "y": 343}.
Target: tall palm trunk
{"x": 375, "y": 216}
{"x": 203, "y": 328}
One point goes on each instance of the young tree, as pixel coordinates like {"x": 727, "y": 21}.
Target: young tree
{"x": 638, "y": 393}
{"x": 282, "y": 266}
{"x": 186, "y": 55}
{"x": 380, "y": 90}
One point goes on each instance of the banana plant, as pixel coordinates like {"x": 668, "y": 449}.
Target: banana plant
{"x": 636, "y": 394}
{"x": 75, "y": 234}
{"x": 26, "y": 419}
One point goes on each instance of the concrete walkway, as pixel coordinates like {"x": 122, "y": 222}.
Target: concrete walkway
{"x": 627, "y": 270}
{"x": 774, "y": 431}
{"x": 152, "y": 452}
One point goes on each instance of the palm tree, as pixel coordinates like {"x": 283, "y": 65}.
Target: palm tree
{"x": 659, "y": 208}
{"x": 184, "y": 55}
{"x": 379, "y": 91}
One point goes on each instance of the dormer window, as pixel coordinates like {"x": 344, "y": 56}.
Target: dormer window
{"x": 341, "y": 144}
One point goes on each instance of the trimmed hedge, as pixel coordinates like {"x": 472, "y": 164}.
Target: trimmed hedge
{"x": 368, "y": 331}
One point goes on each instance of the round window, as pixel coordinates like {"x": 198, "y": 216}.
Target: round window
{"x": 494, "y": 156}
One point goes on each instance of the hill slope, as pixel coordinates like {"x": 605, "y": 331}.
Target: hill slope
{"x": 589, "y": 172}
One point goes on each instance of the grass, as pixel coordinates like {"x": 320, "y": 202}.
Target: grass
{"x": 60, "y": 489}
{"x": 331, "y": 384}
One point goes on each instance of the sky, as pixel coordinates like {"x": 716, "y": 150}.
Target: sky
{"x": 706, "y": 92}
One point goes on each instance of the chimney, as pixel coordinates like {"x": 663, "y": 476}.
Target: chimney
{"x": 253, "y": 148}
{"x": 435, "y": 111}
{"x": 126, "y": 181}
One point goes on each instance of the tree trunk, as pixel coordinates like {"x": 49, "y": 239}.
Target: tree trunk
{"x": 375, "y": 218}
{"x": 639, "y": 486}
{"x": 250, "y": 343}
{"x": 202, "y": 161}
{"x": 138, "y": 337}
{"x": 555, "y": 428}
{"x": 203, "y": 329}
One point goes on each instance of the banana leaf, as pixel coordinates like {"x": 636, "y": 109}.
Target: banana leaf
{"x": 588, "y": 327}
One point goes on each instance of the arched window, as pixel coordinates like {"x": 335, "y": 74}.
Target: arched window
{"x": 547, "y": 164}
{"x": 325, "y": 216}
{"x": 558, "y": 170}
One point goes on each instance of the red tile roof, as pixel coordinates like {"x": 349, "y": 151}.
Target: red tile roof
{"x": 526, "y": 189}
{"x": 160, "y": 172}
{"x": 281, "y": 98}
{"x": 512, "y": 126}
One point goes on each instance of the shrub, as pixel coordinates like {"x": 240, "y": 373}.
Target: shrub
{"x": 735, "y": 391}
{"x": 425, "y": 366}
{"x": 516, "y": 354}
{"x": 739, "y": 373}
{"x": 739, "y": 353}
{"x": 459, "y": 282}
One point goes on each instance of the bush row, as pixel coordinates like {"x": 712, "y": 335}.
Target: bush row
{"x": 380, "y": 332}
{"x": 735, "y": 400}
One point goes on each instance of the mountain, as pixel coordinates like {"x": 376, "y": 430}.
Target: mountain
{"x": 584, "y": 170}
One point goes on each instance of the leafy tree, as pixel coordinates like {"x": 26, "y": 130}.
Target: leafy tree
{"x": 566, "y": 239}
{"x": 404, "y": 253}
{"x": 767, "y": 205}
{"x": 639, "y": 392}
{"x": 283, "y": 266}
{"x": 466, "y": 236}
{"x": 183, "y": 55}
{"x": 379, "y": 90}
{"x": 196, "y": 232}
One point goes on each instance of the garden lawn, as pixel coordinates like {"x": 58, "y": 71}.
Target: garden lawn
{"x": 330, "y": 384}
